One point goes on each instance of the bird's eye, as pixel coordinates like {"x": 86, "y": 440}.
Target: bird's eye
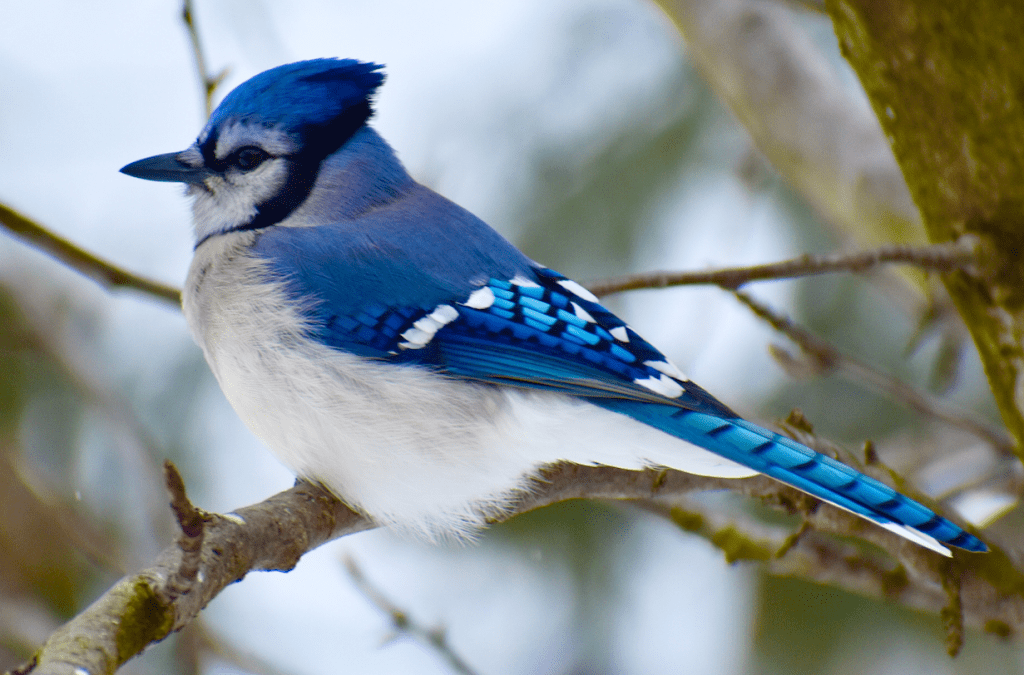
{"x": 248, "y": 158}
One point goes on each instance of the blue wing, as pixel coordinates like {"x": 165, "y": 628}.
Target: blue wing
{"x": 531, "y": 327}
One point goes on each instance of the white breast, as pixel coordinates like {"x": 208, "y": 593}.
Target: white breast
{"x": 410, "y": 447}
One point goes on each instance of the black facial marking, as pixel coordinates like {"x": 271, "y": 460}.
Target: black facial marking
{"x": 318, "y": 142}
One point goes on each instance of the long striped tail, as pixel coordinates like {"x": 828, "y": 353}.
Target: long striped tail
{"x": 794, "y": 464}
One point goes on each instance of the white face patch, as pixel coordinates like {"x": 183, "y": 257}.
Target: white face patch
{"x": 235, "y": 135}
{"x": 481, "y": 298}
{"x": 663, "y": 385}
{"x": 191, "y": 156}
{"x": 229, "y": 200}
{"x": 575, "y": 288}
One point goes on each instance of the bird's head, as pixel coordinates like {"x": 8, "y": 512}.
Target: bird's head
{"x": 258, "y": 156}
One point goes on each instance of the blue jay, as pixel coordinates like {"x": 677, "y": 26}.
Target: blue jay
{"x": 391, "y": 346}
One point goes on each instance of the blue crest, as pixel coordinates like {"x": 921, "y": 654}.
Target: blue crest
{"x": 297, "y": 96}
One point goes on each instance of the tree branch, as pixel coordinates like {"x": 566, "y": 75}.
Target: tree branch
{"x": 801, "y": 116}
{"x": 403, "y": 624}
{"x": 102, "y": 272}
{"x": 829, "y": 358}
{"x": 217, "y": 550}
{"x": 956, "y": 129}
{"x": 208, "y": 82}
{"x": 213, "y": 552}
{"x": 938, "y": 257}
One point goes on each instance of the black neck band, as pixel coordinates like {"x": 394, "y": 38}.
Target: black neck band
{"x": 318, "y": 143}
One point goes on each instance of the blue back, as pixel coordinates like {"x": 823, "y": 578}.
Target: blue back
{"x": 420, "y": 252}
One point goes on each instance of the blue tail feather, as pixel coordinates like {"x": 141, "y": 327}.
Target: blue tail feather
{"x": 794, "y": 464}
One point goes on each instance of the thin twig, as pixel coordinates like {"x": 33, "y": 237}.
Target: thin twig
{"x": 192, "y": 529}
{"x": 102, "y": 272}
{"x": 209, "y": 82}
{"x": 953, "y": 613}
{"x": 939, "y": 257}
{"x": 274, "y": 534}
{"x": 402, "y": 623}
{"x": 829, "y": 358}
{"x": 271, "y": 535}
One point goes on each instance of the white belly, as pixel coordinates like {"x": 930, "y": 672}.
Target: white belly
{"x": 408, "y": 446}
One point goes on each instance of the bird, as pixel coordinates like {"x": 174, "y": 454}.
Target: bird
{"x": 389, "y": 345}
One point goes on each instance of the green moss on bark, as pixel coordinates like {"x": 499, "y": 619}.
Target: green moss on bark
{"x": 946, "y": 79}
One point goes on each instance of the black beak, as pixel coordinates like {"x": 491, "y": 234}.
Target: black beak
{"x": 167, "y": 168}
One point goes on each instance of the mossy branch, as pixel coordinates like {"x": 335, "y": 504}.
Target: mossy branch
{"x": 214, "y": 551}
{"x": 944, "y": 78}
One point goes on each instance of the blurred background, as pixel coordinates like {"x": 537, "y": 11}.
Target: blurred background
{"x": 586, "y": 132}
